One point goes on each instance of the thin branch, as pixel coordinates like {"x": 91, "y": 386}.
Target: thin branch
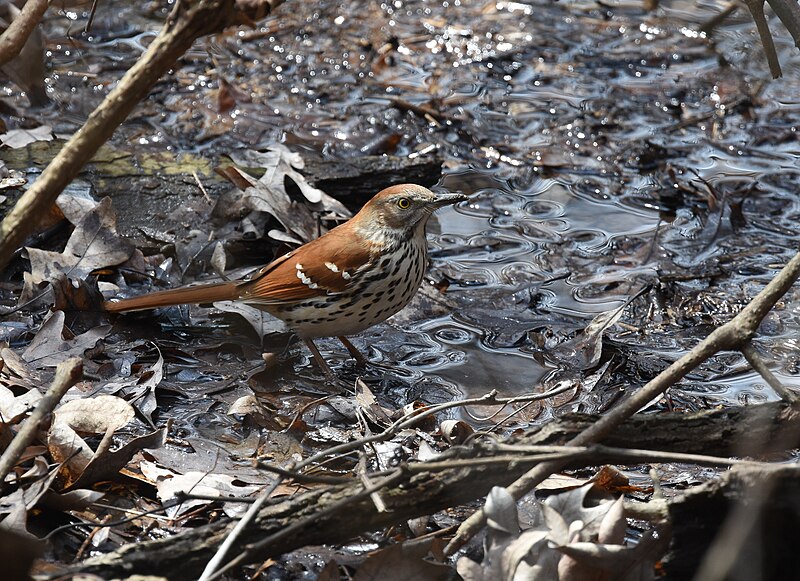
{"x": 756, "y": 8}
{"x": 731, "y": 335}
{"x": 709, "y": 25}
{"x": 210, "y": 571}
{"x": 757, "y": 363}
{"x": 303, "y": 477}
{"x": 68, "y": 373}
{"x": 300, "y": 524}
{"x": 19, "y": 31}
{"x": 417, "y": 415}
{"x": 579, "y": 456}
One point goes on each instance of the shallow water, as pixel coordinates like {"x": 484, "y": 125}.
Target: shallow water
{"x": 604, "y": 149}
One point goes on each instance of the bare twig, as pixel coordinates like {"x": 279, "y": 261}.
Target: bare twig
{"x": 788, "y": 12}
{"x": 756, "y": 8}
{"x": 417, "y": 415}
{"x": 709, "y": 25}
{"x": 68, "y": 373}
{"x": 303, "y": 477}
{"x": 380, "y": 506}
{"x": 729, "y": 336}
{"x": 210, "y": 571}
{"x": 755, "y": 361}
{"x": 16, "y": 35}
{"x": 300, "y": 524}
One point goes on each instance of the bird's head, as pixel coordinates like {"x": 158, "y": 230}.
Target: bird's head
{"x": 404, "y": 207}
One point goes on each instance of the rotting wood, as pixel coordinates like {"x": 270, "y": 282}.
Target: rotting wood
{"x": 183, "y": 556}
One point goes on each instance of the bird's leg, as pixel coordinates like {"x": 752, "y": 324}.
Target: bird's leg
{"x": 361, "y": 361}
{"x": 320, "y": 360}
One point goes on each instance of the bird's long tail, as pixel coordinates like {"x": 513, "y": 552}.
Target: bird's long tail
{"x": 203, "y": 293}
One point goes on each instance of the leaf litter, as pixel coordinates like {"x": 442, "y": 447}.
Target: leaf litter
{"x": 99, "y": 432}
{"x": 153, "y": 383}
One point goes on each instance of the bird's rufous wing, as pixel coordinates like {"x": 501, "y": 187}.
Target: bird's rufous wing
{"x": 325, "y": 266}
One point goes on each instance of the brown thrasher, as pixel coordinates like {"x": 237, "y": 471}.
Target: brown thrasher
{"x": 355, "y": 276}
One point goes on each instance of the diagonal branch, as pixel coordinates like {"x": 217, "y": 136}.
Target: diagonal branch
{"x": 756, "y": 8}
{"x": 19, "y": 31}
{"x": 731, "y": 335}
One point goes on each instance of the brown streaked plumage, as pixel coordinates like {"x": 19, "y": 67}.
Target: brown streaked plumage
{"x": 355, "y": 276}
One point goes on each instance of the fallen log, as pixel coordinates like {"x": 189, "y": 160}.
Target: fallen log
{"x": 333, "y": 514}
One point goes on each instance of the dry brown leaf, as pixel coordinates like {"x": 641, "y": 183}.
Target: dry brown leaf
{"x": 93, "y": 244}
{"x": 17, "y": 504}
{"x": 106, "y": 463}
{"x": 13, "y": 408}
{"x": 17, "y": 138}
{"x": 102, "y": 414}
{"x": 369, "y": 404}
{"x": 250, "y": 407}
{"x": 269, "y": 193}
{"x": 49, "y": 348}
{"x": 17, "y": 372}
{"x": 455, "y": 431}
{"x": 169, "y": 484}
{"x": 95, "y": 415}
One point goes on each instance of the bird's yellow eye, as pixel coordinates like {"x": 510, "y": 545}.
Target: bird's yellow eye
{"x": 403, "y": 203}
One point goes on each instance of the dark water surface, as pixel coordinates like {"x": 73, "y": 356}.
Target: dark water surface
{"x": 604, "y": 149}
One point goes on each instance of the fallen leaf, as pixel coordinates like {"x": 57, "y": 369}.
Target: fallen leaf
{"x": 13, "y": 408}
{"x": 95, "y": 415}
{"x": 102, "y": 414}
{"x": 143, "y": 393}
{"x": 73, "y": 500}
{"x": 501, "y": 511}
{"x": 278, "y": 162}
{"x": 455, "y": 431}
{"x": 16, "y": 372}
{"x": 250, "y": 407}
{"x": 78, "y": 296}
{"x": 49, "y": 348}
{"x": 17, "y": 504}
{"x": 269, "y": 193}
{"x": 366, "y": 400}
{"x": 168, "y": 484}
{"x": 105, "y": 464}
{"x": 93, "y": 244}
{"x": 572, "y": 542}
{"x": 76, "y": 201}
{"x": 262, "y": 322}
{"x": 17, "y": 138}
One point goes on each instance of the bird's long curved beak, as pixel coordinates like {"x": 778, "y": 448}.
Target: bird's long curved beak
{"x": 447, "y": 199}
